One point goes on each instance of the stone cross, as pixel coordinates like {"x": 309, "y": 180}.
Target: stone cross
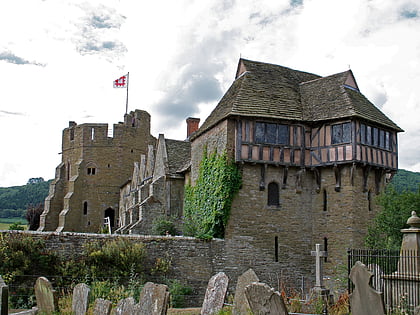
{"x": 319, "y": 254}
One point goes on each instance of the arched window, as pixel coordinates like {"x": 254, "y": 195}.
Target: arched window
{"x": 273, "y": 194}
{"x": 85, "y": 207}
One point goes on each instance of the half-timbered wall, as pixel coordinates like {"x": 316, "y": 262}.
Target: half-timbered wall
{"x": 270, "y": 142}
{"x": 292, "y": 144}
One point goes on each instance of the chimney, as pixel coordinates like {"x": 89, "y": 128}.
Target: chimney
{"x": 192, "y": 125}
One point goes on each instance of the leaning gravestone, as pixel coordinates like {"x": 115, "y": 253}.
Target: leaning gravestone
{"x": 4, "y": 296}
{"x": 240, "y": 303}
{"x": 80, "y": 301}
{"x": 102, "y": 307}
{"x": 126, "y": 307}
{"x": 46, "y": 297}
{"x": 215, "y": 294}
{"x": 364, "y": 299}
{"x": 263, "y": 300}
{"x": 154, "y": 299}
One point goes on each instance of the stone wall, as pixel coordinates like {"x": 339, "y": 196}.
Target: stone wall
{"x": 192, "y": 260}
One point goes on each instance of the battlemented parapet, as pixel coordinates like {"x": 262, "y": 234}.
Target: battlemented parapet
{"x": 94, "y": 166}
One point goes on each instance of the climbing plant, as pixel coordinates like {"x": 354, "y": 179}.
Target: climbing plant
{"x": 207, "y": 204}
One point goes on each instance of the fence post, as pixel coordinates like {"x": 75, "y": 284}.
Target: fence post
{"x": 4, "y": 297}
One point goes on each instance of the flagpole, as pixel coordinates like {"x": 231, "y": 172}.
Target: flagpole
{"x": 126, "y": 100}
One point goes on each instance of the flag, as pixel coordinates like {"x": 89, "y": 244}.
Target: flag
{"x": 122, "y": 82}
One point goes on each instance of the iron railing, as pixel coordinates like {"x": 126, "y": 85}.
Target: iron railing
{"x": 396, "y": 274}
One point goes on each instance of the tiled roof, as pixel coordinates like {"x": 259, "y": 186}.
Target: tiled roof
{"x": 271, "y": 91}
{"x": 330, "y": 98}
{"x": 179, "y": 153}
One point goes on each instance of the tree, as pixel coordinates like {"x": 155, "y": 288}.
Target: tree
{"x": 33, "y": 214}
{"x": 384, "y": 233}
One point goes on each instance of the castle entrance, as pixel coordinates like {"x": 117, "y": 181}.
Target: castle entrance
{"x": 110, "y": 213}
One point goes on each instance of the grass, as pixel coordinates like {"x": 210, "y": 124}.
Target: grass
{"x": 6, "y": 222}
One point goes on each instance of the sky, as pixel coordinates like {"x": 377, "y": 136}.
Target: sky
{"x": 58, "y": 60}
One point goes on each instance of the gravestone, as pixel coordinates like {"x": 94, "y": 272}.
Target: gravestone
{"x": 240, "y": 302}
{"x": 46, "y": 296}
{"x": 154, "y": 299}
{"x": 126, "y": 307}
{"x": 102, "y": 307}
{"x": 215, "y": 294}
{"x": 263, "y": 300}
{"x": 80, "y": 301}
{"x": 364, "y": 299}
{"x": 4, "y": 296}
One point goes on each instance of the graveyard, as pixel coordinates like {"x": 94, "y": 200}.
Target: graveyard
{"x": 374, "y": 291}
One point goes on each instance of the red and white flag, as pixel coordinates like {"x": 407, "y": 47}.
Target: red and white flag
{"x": 122, "y": 82}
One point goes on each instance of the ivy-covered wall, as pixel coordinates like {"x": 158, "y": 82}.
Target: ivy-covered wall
{"x": 207, "y": 204}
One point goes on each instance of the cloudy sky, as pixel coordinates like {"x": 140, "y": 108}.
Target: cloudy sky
{"x": 58, "y": 59}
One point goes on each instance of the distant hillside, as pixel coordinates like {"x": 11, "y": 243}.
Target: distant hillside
{"x": 406, "y": 181}
{"x": 15, "y": 200}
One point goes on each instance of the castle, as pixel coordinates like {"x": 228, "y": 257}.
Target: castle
{"x": 313, "y": 153}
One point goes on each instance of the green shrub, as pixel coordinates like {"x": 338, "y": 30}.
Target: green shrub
{"x": 178, "y": 292}
{"x": 117, "y": 258}
{"x": 164, "y": 225}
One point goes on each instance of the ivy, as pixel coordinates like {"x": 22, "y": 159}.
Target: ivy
{"x": 207, "y": 204}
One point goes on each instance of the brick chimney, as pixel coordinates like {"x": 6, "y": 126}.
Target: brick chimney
{"x": 192, "y": 125}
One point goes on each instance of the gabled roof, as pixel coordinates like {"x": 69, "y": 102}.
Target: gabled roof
{"x": 179, "y": 152}
{"x": 337, "y": 96}
{"x": 265, "y": 90}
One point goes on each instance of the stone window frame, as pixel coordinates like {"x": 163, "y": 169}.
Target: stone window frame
{"x": 91, "y": 169}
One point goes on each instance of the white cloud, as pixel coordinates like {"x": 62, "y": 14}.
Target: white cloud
{"x": 58, "y": 59}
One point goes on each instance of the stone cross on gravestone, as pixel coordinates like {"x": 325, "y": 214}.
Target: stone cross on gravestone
{"x": 319, "y": 254}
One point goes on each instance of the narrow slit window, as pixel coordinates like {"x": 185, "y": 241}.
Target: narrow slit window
{"x": 325, "y": 200}
{"x": 273, "y": 194}
{"x": 85, "y": 208}
{"x": 276, "y": 249}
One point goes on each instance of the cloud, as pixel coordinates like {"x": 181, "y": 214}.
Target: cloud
{"x": 12, "y": 58}
{"x": 97, "y": 32}
{"x": 196, "y": 79}
{"x": 7, "y": 113}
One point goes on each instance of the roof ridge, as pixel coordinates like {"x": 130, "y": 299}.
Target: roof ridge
{"x": 326, "y": 77}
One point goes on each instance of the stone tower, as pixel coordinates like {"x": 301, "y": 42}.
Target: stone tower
{"x": 93, "y": 168}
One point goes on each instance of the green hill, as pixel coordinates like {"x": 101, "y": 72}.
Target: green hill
{"x": 406, "y": 181}
{"x": 15, "y": 200}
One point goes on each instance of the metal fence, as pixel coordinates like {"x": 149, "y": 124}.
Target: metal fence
{"x": 396, "y": 274}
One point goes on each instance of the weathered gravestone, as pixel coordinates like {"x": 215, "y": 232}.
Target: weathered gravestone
{"x": 154, "y": 299}
{"x": 46, "y": 297}
{"x": 240, "y": 302}
{"x": 364, "y": 299}
{"x": 102, "y": 307}
{"x": 263, "y": 300}
{"x": 80, "y": 301}
{"x": 215, "y": 294}
{"x": 126, "y": 307}
{"x": 4, "y": 295}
